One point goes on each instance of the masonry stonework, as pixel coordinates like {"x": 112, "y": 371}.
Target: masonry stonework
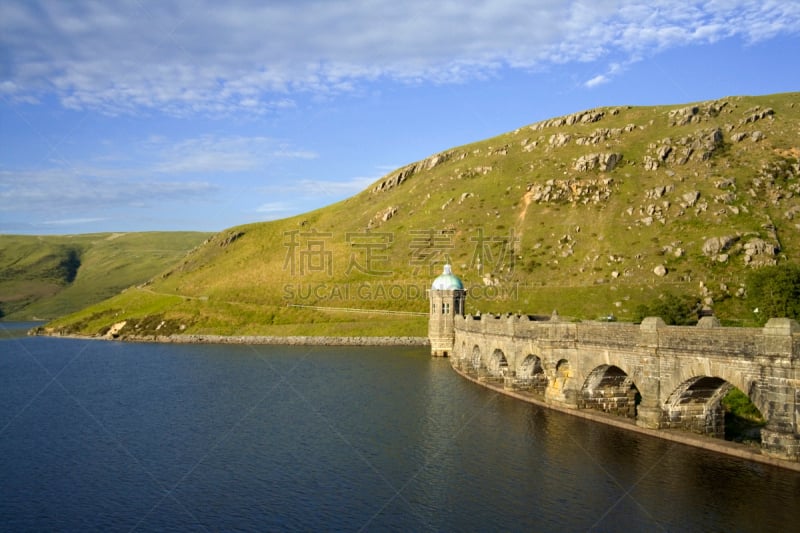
{"x": 660, "y": 376}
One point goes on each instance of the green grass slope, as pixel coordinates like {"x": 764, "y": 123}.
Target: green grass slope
{"x": 590, "y": 214}
{"x": 50, "y": 276}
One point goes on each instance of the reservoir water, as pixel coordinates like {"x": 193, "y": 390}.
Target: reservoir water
{"x": 110, "y": 436}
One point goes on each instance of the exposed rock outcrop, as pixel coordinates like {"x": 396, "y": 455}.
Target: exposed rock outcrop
{"x": 696, "y": 113}
{"x": 758, "y": 252}
{"x": 699, "y": 146}
{"x": 582, "y": 117}
{"x": 558, "y": 140}
{"x": 604, "y": 162}
{"x": 382, "y": 216}
{"x": 400, "y": 176}
{"x": 113, "y": 331}
{"x": 657, "y": 192}
{"x": 690, "y": 198}
{"x": 230, "y": 238}
{"x": 603, "y": 134}
{"x": 579, "y": 191}
{"x": 755, "y": 114}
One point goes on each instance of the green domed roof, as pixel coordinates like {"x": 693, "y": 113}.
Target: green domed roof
{"x": 447, "y": 281}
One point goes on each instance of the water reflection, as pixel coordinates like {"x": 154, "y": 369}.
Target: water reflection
{"x": 99, "y": 435}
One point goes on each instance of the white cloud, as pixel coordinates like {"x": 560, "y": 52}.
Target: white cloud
{"x": 597, "y": 80}
{"x": 601, "y": 79}
{"x": 311, "y": 187}
{"x": 151, "y": 172}
{"x": 276, "y": 208}
{"x": 214, "y": 154}
{"x": 218, "y": 58}
{"x": 62, "y": 192}
{"x": 72, "y": 221}
{"x": 310, "y": 193}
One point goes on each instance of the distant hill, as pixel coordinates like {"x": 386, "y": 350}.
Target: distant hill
{"x": 591, "y": 214}
{"x": 43, "y": 277}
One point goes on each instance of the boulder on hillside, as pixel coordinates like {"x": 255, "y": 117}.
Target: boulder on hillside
{"x": 657, "y": 192}
{"x": 690, "y": 198}
{"x": 715, "y": 245}
{"x": 382, "y": 216}
{"x": 388, "y": 213}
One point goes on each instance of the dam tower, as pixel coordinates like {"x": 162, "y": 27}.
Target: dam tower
{"x": 447, "y": 297}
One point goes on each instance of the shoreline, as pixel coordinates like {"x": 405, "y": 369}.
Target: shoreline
{"x": 293, "y": 340}
{"x": 290, "y": 340}
{"x": 733, "y": 449}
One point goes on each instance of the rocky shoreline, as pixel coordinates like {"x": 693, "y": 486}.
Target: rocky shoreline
{"x": 294, "y": 340}
{"x": 297, "y": 340}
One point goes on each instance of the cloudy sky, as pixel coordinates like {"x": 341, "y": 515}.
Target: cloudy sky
{"x": 201, "y": 114}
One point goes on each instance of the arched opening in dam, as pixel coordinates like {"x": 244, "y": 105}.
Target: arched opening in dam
{"x": 531, "y": 374}
{"x": 712, "y": 406}
{"x": 475, "y": 360}
{"x": 497, "y": 365}
{"x": 609, "y": 389}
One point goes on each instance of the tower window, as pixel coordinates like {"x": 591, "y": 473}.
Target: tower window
{"x": 446, "y": 308}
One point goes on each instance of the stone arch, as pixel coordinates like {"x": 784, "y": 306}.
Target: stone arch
{"x": 475, "y": 359}
{"x": 460, "y": 356}
{"x": 608, "y": 388}
{"x": 531, "y": 374}
{"x": 696, "y": 405}
{"x": 497, "y": 364}
{"x": 563, "y": 370}
{"x": 748, "y": 384}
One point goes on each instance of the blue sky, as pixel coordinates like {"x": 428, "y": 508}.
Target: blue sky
{"x": 200, "y": 115}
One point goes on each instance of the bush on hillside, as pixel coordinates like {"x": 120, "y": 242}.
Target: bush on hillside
{"x": 674, "y": 310}
{"x": 774, "y": 292}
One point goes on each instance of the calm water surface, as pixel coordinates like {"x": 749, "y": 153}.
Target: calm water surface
{"x": 106, "y": 436}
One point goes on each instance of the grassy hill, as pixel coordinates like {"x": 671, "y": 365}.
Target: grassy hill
{"x": 589, "y": 214}
{"x": 50, "y": 276}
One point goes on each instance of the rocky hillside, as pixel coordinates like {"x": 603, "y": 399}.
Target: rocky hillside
{"x": 590, "y": 214}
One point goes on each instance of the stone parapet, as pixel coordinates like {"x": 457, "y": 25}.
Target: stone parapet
{"x": 677, "y": 374}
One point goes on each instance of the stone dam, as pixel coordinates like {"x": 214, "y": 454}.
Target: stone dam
{"x": 658, "y": 376}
